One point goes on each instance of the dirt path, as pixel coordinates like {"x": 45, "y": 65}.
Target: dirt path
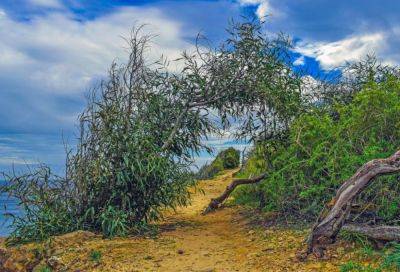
{"x": 219, "y": 241}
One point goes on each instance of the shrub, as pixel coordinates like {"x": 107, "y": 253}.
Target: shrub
{"x": 324, "y": 149}
{"x": 230, "y": 158}
{"x": 226, "y": 159}
{"x": 125, "y": 169}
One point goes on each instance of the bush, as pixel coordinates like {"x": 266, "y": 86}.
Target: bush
{"x": 230, "y": 158}
{"x": 226, "y": 159}
{"x": 126, "y": 167}
{"x": 118, "y": 180}
{"x": 324, "y": 149}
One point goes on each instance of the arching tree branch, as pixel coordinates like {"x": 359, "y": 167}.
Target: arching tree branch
{"x": 216, "y": 202}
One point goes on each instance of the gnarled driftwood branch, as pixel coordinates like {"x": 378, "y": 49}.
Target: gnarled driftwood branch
{"x": 216, "y": 202}
{"x": 328, "y": 226}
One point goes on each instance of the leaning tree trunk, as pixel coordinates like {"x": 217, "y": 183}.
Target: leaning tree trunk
{"x": 328, "y": 226}
{"x": 216, "y": 202}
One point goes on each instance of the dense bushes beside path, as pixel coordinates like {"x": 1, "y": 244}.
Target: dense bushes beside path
{"x": 324, "y": 149}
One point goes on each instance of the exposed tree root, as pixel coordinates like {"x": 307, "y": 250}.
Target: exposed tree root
{"x": 328, "y": 225}
{"x": 216, "y": 202}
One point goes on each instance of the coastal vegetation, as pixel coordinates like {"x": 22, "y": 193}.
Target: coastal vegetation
{"x": 311, "y": 140}
{"x": 141, "y": 126}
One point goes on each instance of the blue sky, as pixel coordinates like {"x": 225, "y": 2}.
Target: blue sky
{"x": 53, "y": 51}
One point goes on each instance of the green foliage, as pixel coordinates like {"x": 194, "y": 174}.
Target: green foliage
{"x": 114, "y": 222}
{"x": 356, "y": 267}
{"x": 390, "y": 262}
{"x": 46, "y": 211}
{"x": 392, "y": 259}
{"x": 254, "y": 165}
{"x": 208, "y": 171}
{"x": 324, "y": 149}
{"x": 142, "y": 125}
{"x": 95, "y": 256}
{"x": 226, "y": 159}
{"x": 44, "y": 268}
{"x": 367, "y": 246}
{"x": 230, "y": 158}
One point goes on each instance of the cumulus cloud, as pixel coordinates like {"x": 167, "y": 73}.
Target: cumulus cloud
{"x": 353, "y": 30}
{"x": 333, "y": 54}
{"x": 49, "y": 61}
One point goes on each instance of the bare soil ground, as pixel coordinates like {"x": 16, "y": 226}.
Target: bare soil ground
{"x": 188, "y": 241}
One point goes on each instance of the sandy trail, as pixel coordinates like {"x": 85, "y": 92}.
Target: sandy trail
{"x": 188, "y": 241}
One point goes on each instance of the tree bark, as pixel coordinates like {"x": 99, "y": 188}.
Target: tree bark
{"x": 377, "y": 233}
{"x": 177, "y": 125}
{"x": 216, "y": 202}
{"x": 328, "y": 226}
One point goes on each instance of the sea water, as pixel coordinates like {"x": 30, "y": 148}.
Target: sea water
{"x": 8, "y": 206}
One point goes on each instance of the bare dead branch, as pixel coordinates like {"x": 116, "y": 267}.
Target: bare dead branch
{"x": 328, "y": 226}
{"x": 216, "y": 202}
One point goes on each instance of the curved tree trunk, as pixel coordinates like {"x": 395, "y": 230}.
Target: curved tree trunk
{"x": 216, "y": 202}
{"x": 328, "y": 226}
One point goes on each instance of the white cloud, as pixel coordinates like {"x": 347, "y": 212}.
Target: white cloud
{"x": 47, "y": 3}
{"x": 53, "y": 59}
{"x": 264, "y": 8}
{"x": 299, "y": 61}
{"x": 333, "y": 54}
{"x": 60, "y": 54}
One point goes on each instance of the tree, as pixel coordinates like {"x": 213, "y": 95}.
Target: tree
{"x": 142, "y": 125}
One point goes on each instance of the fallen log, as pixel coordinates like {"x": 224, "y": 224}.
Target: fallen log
{"x": 216, "y": 202}
{"x": 377, "y": 233}
{"x": 328, "y": 225}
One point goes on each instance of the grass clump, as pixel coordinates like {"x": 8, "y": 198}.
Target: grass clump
{"x": 44, "y": 268}
{"x": 95, "y": 256}
{"x": 356, "y": 267}
{"x": 390, "y": 261}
